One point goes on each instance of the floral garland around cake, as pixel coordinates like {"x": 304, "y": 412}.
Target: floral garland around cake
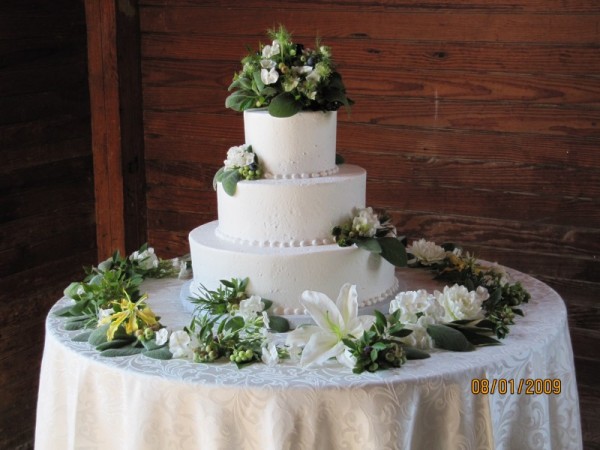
{"x": 373, "y": 232}
{"x": 286, "y": 78}
{"x": 241, "y": 164}
{"x": 228, "y": 323}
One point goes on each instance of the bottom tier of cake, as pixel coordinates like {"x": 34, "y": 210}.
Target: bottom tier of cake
{"x": 281, "y": 274}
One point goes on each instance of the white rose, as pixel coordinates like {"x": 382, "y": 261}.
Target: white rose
{"x": 459, "y": 303}
{"x": 365, "y": 222}
{"x": 413, "y": 304}
{"x": 250, "y": 307}
{"x": 179, "y": 344}
{"x": 426, "y": 252}
{"x": 419, "y": 338}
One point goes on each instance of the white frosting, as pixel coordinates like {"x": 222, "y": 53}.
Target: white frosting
{"x": 281, "y": 274}
{"x": 290, "y": 213}
{"x": 300, "y": 146}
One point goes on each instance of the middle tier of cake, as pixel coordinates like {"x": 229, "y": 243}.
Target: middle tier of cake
{"x": 282, "y": 273}
{"x": 290, "y": 212}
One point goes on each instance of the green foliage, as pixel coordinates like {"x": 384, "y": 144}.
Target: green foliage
{"x": 380, "y": 347}
{"x": 297, "y": 79}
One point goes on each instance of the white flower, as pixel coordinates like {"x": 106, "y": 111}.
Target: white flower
{"x": 413, "y": 304}
{"x": 269, "y": 51}
{"x": 179, "y": 344}
{"x": 162, "y": 336}
{"x": 302, "y": 70}
{"x": 365, "y": 222}
{"x": 146, "y": 260}
{"x": 419, "y": 337}
{"x": 426, "y": 252}
{"x": 250, "y": 307}
{"x": 418, "y": 310}
{"x": 267, "y": 63}
{"x": 266, "y": 321}
{"x": 335, "y": 322}
{"x": 459, "y": 303}
{"x": 103, "y": 313}
{"x": 269, "y": 355}
{"x": 238, "y": 156}
{"x": 269, "y": 76}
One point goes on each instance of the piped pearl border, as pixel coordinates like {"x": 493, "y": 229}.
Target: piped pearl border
{"x": 274, "y": 243}
{"x": 387, "y": 294}
{"x": 295, "y": 176}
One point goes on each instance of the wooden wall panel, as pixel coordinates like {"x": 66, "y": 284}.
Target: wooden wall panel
{"x": 478, "y": 121}
{"x": 47, "y": 225}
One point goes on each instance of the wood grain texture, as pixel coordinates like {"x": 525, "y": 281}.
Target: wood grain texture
{"x": 47, "y": 223}
{"x": 477, "y": 121}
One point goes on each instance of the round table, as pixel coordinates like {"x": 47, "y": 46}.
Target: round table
{"x": 91, "y": 402}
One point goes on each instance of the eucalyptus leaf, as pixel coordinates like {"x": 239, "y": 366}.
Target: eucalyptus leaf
{"x": 284, "y": 105}
{"x": 159, "y": 353}
{"x": 369, "y": 244}
{"x": 240, "y": 100}
{"x": 393, "y": 251}
{"x": 449, "y": 338}
{"x": 64, "y": 311}
{"x": 151, "y": 344}
{"x": 115, "y": 343}
{"x": 415, "y": 353}
{"x": 123, "y": 351}
{"x": 98, "y": 336}
{"x": 78, "y": 325}
{"x": 218, "y": 177}
{"x": 82, "y": 337}
{"x": 479, "y": 339}
{"x": 279, "y": 324}
{"x": 229, "y": 181}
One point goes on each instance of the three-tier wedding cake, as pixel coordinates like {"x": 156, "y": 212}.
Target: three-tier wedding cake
{"x": 277, "y": 231}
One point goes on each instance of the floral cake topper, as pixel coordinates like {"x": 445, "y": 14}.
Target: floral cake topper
{"x": 286, "y": 78}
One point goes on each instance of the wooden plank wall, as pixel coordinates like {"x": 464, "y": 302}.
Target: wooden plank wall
{"x": 47, "y": 227}
{"x": 478, "y": 121}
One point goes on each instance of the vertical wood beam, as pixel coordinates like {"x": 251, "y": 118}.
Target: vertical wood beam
{"x": 117, "y": 131}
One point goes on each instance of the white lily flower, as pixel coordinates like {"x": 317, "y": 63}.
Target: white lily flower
{"x": 269, "y": 76}
{"x": 334, "y": 322}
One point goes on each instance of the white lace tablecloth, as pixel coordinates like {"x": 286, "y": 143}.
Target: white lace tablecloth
{"x": 90, "y": 402}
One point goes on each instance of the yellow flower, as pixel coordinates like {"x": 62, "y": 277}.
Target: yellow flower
{"x": 131, "y": 313}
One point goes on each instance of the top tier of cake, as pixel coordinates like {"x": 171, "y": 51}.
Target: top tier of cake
{"x": 301, "y": 146}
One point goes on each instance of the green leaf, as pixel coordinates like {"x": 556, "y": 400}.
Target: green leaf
{"x": 267, "y": 303}
{"x": 369, "y": 244}
{"x": 279, "y": 324}
{"x": 393, "y": 251}
{"x": 448, "y": 338}
{"x": 123, "y": 351}
{"x": 234, "y": 324}
{"x": 380, "y": 321}
{"x": 339, "y": 159}
{"x": 258, "y": 83}
{"x": 82, "y": 337}
{"x": 159, "y": 353}
{"x": 151, "y": 345}
{"x": 241, "y": 100}
{"x": 229, "y": 180}
{"x": 115, "y": 343}
{"x": 218, "y": 177}
{"x": 284, "y": 105}
{"x": 98, "y": 336}
{"x": 77, "y": 325}
{"x": 64, "y": 311}
{"x": 415, "y": 353}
